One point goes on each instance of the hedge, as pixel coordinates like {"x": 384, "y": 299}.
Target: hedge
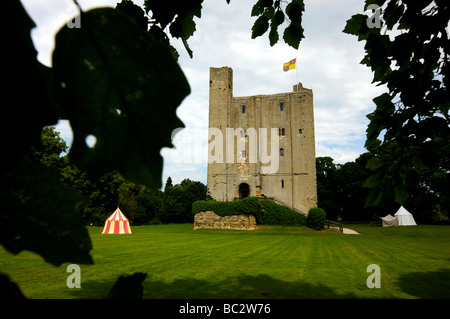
{"x": 266, "y": 212}
{"x": 316, "y": 218}
{"x": 276, "y": 214}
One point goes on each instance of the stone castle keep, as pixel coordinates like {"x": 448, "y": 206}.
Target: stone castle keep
{"x": 261, "y": 145}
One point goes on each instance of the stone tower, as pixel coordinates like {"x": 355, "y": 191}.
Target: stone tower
{"x": 261, "y": 145}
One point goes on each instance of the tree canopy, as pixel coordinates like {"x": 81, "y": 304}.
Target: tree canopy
{"x": 106, "y": 88}
{"x": 408, "y": 51}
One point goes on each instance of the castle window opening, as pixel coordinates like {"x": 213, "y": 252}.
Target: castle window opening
{"x": 243, "y": 109}
{"x": 281, "y": 152}
{"x": 300, "y": 131}
{"x": 282, "y": 183}
{"x": 281, "y": 106}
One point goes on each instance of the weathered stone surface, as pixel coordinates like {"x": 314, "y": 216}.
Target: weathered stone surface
{"x": 210, "y": 220}
{"x": 235, "y": 167}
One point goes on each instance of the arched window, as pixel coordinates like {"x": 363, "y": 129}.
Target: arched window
{"x": 281, "y": 106}
{"x": 281, "y": 152}
{"x": 243, "y": 109}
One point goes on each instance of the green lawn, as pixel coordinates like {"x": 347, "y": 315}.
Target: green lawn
{"x": 271, "y": 262}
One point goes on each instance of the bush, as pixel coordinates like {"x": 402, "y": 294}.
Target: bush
{"x": 316, "y": 218}
{"x": 276, "y": 214}
{"x": 266, "y": 212}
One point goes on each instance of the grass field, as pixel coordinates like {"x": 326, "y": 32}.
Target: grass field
{"x": 271, "y": 262}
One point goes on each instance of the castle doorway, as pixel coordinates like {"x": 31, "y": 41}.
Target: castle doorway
{"x": 244, "y": 190}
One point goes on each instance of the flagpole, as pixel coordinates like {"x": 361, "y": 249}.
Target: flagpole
{"x": 296, "y": 72}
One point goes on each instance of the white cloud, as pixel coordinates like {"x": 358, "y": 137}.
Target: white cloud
{"x": 340, "y": 155}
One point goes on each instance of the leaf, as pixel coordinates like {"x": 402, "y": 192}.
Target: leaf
{"x": 374, "y": 163}
{"x": 401, "y": 193}
{"x": 267, "y": 3}
{"x": 122, "y": 86}
{"x": 392, "y": 13}
{"x": 378, "y": 48}
{"x": 294, "y": 11}
{"x": 278, "y": 18}
{"x": 41, "y": 214}
{"x": 379, "y": 198}
{"x": 183, "y": 28}
{"x": 187, "y": 25}
{"x": 372, "y": 181}
{"x": 161, "y": 12}
{"x": 354, "y": 24}
{"x": 135, "y": 12}
{"x": 292, "y": 35}
{"x": 374, "y": 198}
{"x": 273, "y": 35}
{"x": 257, "y": 9}
{"x": 260, "y": 27}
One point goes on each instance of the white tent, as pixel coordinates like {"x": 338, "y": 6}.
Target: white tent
{"x": 389, "y": 221}
{"x": 404, "y": 217}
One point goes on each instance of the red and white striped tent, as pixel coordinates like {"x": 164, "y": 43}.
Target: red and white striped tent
{"x": 117, "y": 223}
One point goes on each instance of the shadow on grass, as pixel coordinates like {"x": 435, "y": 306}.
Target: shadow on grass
{"x": 427, "y": 285}
{"x": 240, "y": 287}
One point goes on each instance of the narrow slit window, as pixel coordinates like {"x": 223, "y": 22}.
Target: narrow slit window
{"x": 300, "y": 131}
{"x": 281, "y": 106}
{"x": 283, "y": 132}
{"x": 282, "y": 183}
{"x": 281, "y": 152}
{"x": 243, "y": 109}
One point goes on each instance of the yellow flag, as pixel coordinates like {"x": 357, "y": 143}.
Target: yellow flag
{"x": 289, "y": 65}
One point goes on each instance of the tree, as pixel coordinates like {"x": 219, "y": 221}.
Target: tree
{"x": 178, "y": 200}
{"x": 414, "y": 65}
{"x": 168, "y": 183}
{"x": 49, "y": 150}
{"x": 350, "y": 193}
{"x": 128, "y": 194}
{"x": 103, "y": 199}
{"x": 425, "y": 191}
{"x": 340, "y": 188}
{"x": 326, "y": 194}
{"x": 150, "y": 202}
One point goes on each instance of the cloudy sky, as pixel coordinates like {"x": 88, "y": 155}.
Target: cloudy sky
{"x": 327, "y": 62}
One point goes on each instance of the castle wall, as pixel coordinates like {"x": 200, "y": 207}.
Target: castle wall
{"x": 294, "y": 182}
